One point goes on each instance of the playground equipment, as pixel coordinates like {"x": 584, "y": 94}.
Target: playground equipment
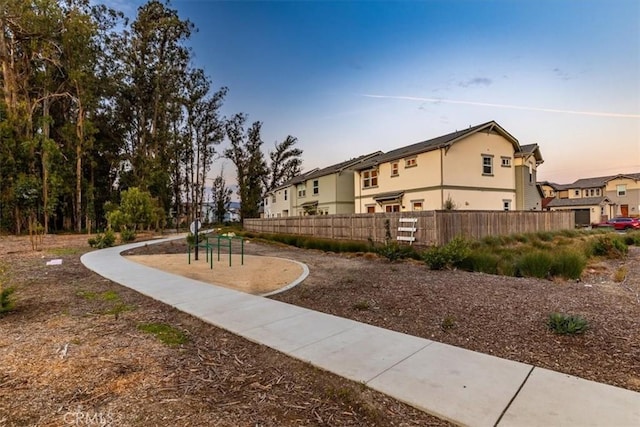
{"x": 222, "y": 240}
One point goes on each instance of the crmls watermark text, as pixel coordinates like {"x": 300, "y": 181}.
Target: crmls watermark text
{"x": 89, "y": 418}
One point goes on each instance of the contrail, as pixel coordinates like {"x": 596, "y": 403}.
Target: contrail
{"x": 513, "y": 107}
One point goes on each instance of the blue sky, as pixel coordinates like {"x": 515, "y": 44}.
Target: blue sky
{"x": 348, "y": 78}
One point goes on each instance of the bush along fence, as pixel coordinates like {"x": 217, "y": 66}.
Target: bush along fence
{"x": 432, "y": 227}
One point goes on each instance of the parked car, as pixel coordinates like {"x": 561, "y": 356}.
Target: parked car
{"x": 620, "y": 223}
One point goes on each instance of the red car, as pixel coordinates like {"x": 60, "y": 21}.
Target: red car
{"x": 620, "y": 223}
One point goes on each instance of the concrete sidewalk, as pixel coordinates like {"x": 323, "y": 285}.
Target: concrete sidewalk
{"x": 459, "y": 385}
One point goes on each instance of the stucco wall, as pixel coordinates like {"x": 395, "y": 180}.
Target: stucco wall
{"x": 631, "y": 199}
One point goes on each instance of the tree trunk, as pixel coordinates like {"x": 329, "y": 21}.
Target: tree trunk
{"x": 79, "y": 143}
{"x": 45, "y": 165}
{"x": 8, "y": 73}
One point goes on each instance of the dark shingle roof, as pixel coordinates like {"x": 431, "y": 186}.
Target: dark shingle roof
{"x": 338, "y": 167}
{"x": 585, "y": 201}
{"x": 530, "y": 149}
{"x": 600, "y": 181}
{"x": 432, "y": 144}
{"x": 316, "y": 173}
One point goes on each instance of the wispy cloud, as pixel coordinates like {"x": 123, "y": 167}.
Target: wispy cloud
{"x": 507, "y": 106}
{"x": 477, "y": 81}
{"x": 561, "y": 74}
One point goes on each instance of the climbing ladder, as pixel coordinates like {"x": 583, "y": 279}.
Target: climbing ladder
{"x": 407, "y": 229}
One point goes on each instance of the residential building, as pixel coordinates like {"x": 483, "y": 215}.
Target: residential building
{"x": 232, "y": 214}
{"x": 480, "y": 168}
{"x": 597, "y": 199}
{"x": 529, "y": 195}
{"x": 329, "y": 190}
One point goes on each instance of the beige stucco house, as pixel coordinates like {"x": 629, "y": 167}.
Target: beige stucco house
{"x": 317, "y": 192}
{"x": 480, "y": 168}
{"x": 597, "y": 199}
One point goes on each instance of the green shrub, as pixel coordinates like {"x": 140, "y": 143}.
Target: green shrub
{"x": 570, "y": 233}
{"x": 522, "y": 238}
{"x": 481, "y": 261}
{"x": 564, "y": 324}
{"x": 362, "y": 305}
{"x": 635, "y": 236}
{"x": 535, "y": 264}
{"x": 351, "y": 246}
{"x": 394, "y": 251}
{"x": 450, "y": 255}
{"x": 541, "y": 245}
{"x": 568, "y": 264}
{"x": 435, "y": 258}
{"x": 449, "y": 322}
{"x": 191, "y": 238}
{"x": 610, "y": 246}
{"x": 545, "y": 236}
{"x": 493, "y": 241}
{"x": 632, "y": 238}
{"x": 507, "y": 267}
{"x": 127, "y": 235}
{"x": 101, "y": 241}
{"x": 6, "y": 302}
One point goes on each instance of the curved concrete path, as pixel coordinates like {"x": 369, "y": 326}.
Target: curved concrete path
{"x": 459, "y": 385}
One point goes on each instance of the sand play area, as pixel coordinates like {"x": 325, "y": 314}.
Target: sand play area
{"x": 259, "y": 274}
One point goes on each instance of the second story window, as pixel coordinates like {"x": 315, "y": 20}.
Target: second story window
{"x": 394, "y": 168}
{"x": 505, "y": 162}
{"x": 285, "y": 195}
{"x": 576, "y": 193}
{"x": 410, "y": 162}
{"x": 487, "y": 165}
{"x": 316, "y": 187}
{"x": 370, "y": 178}
{"x": 621, "y": 190}
{"x": 302, "y": 191}
{"x": 273, "y": 198}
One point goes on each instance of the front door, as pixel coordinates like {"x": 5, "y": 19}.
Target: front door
{"x": 624, "y": 210}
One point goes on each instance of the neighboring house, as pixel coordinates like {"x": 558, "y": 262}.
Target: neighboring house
{"x": 480, "y": 168}
{"x": 624, "y": 192}
{"x": 231, "y": 215}
{"x": 597, "y": 199}
{"x": 529, "y": 195}
{"x": 317, "y": 192}
{"x": 588, "y": 210}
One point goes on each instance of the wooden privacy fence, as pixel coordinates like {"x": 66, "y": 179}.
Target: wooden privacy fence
{"x": 432, "y": 227}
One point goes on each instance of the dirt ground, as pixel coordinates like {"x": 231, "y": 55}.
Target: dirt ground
{"x": 251, "y": 274}
{"x": 72, "y": 353}
{"x": 501, "y": 316}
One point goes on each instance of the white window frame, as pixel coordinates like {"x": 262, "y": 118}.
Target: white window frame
{"x": 417, "y": 205}
{"x": 285, "y": 195}
{"x": 505, "y": 162}
{"x": 316, "y": 187}
{"x": 506, "y": 204}
{"x": 487, "y": 162}
{"x": 390, "y": 208}
{"x": 621, "y": 190}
